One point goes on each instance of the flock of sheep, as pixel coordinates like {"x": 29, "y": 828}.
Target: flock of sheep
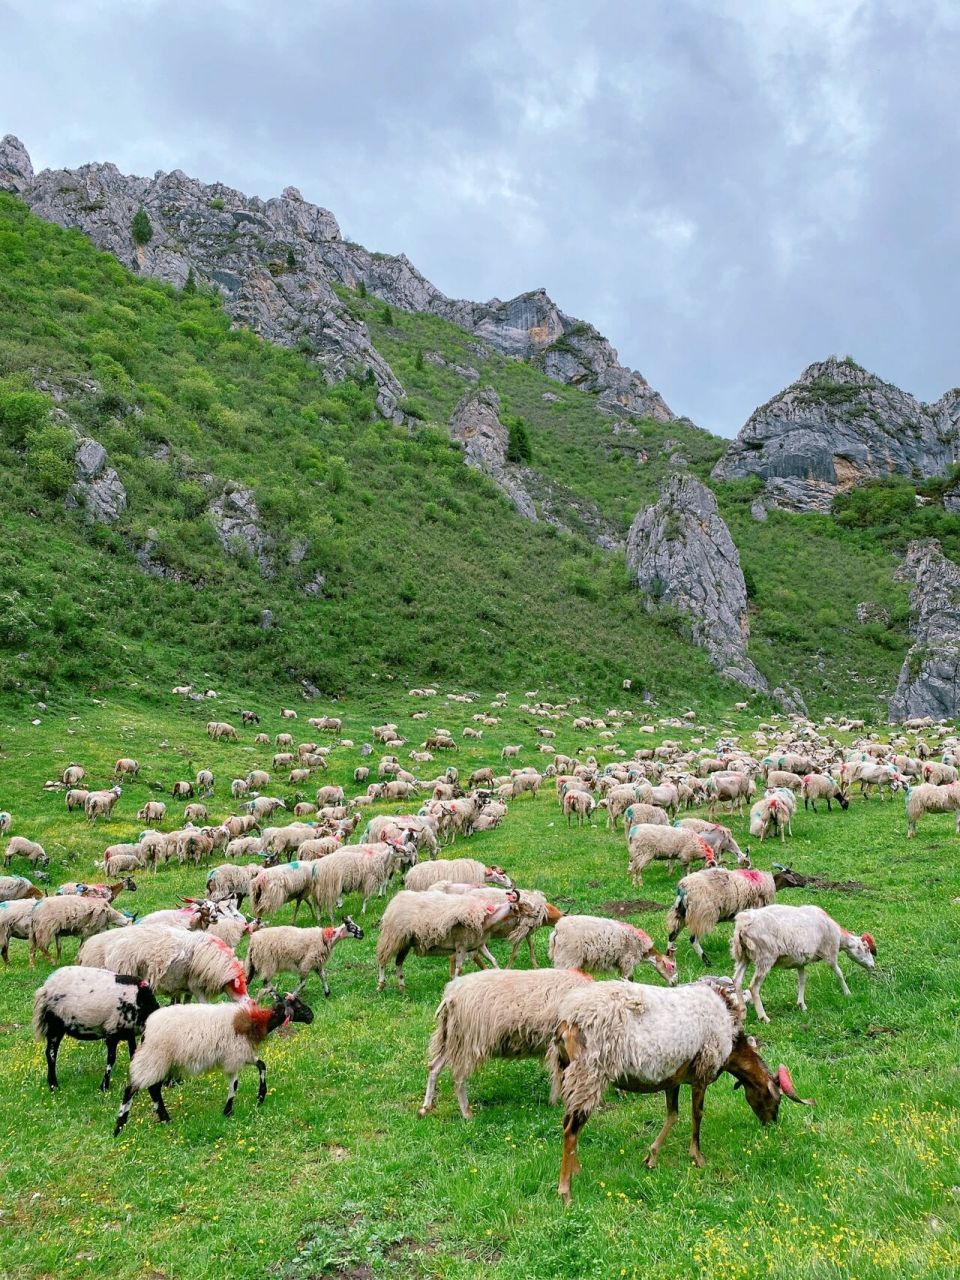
{"x": 590, "y": 1033}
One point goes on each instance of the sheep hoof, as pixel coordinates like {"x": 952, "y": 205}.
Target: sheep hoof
{"x": 697, "y": 1159}
{"x": 651, "y": 1160}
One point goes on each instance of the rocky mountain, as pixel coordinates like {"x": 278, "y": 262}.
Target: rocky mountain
{"x": 929, "y": 683}
{"x": 680, "y": 553}
{"x": 276, "y": 262}
{"x": 835, "y": 427}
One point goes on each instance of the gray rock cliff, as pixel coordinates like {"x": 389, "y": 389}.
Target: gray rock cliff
{"x": 475, "y": 424}
{"x": 835, "y": 427}
{"x": 929, "y": 683}
{"x": 680, "y": 553}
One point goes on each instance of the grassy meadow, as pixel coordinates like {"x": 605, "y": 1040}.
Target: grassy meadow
{"x": 336, "y": 1177}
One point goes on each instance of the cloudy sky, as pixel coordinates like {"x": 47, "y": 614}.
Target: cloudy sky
{"x": 728, "y": 189}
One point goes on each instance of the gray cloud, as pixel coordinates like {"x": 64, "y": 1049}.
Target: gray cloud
{"x": 727, "y": 191}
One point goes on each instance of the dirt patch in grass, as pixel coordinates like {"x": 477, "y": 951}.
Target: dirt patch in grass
{"x": 841, "y": 886}
{"x": 630, "y": 906}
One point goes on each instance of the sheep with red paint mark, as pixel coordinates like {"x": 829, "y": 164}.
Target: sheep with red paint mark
{"x": 287, "y": 949}
{"x": 597, "y": 944}
{"x": 176, "y": 962}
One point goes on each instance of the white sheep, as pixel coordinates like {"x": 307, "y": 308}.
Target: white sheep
{"x": 152, "y": 811}
{"x": 820, "y": 786}
{"x": 57, "y": 918}
{"x": 20, "y": 847}
{"x": 537, "y": 914}
{"x": 14, "y": 923}
{"x": 438, "y": 924}
{"x": 73, "y": 774}
{"x": 460, "y": 870}
{"x": 100, "y": 804}
{"x": 597, "y": 944}
{"x": 770, "y": 811}
{"x": 357, "y": 868}
{"x": 784, "y": 937}
{"x": 647, "y": 842}
{"x": 196, "y": 1038}
{"x": 930, "y": 798}
{"x": 75, "y": 798}
{"x": 649, "y": 1040}
{"x": 90, "y": 1004}
{"x": 175, "y": 962}
{"x": 495, "y": 1014}
{"x": 232, "y": 880}
{"x": 273, "y": 887}
{"x": 285, "y": 948}
{"x": 12, "y": 888}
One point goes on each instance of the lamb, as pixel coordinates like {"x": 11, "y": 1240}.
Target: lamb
{"x": 119, "y": 858}
{"x": 784, "y": 778}
{"x": 19, "y": 847}
{"x": 14, "y": 923}
{"x": 14, "y": 888}
{"x": 152, "y": 811}
{"x": 198, "y": 1038}
{"x": 182, "y": 789}
{"x": 126, "y": 768}
{"x": 461, "y": 870}
{"x": 791, "y": 938}
{"x": 596, "y": 944}
{"x": 176, "y": 962}
{"x": 75, "y": 798}
{"x": 580, "y": 803}
{"x": 57, "y": 918}
{"x": 91, "y": 1004}
{"x": 285, "y": 948}
{"x": 647, "y": 842}
{"x": 620, "y": 798}
{"x": 420, "y": 828}
{"x": 273, "y": 887}
{"x": 650, "y": 1040}
{"x": 820, "y": 786}
{"x": 495, "y": 1014}
{"x": 705, "y": 898}
{"x": 319, "y": 847}
{"x": 770, "y": 811}
{"x": 100, "y": 804}
{"x": 434, "y": 924}
{"x": 364, "y": 869}
{"x": 928, "y": 798}
{"x": 73, "y": 774}
{"x": 644, "y": 813}
{"x": 490, "y": 816}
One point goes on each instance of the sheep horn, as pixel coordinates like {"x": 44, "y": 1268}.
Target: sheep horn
{"x": 786, "y": 1085}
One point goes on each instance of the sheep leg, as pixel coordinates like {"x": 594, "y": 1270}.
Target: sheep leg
{"x": 398, "y": 966}
{"x": 801, "y": 985}
{"x": 533, "y": 954}
{"x": 759, "y": 974}
{"x": 569, "y": 1164}
{"x": 232, "y": 1093}
{"x": 262, "y": 1087}
{"x": 436, "y": 1066}
{"x": 696, "y": 1155}
{"x": 112, "y": 1043}
{"x": 488, "y": 955}
{"x": 672, "y": 1094}
{"x": 53, "y": 1046}
{"x": 695, "y": 943}
{"x": 840, "y": 978}
{"x": 124, "y": 1113}
{"x": 739, "y": 973}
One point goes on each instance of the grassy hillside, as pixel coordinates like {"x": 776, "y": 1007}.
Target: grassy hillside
{"x": 426, "y": 567}
{"x": 337, "y": 1178}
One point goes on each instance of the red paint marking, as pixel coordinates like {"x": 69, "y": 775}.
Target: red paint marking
{"x": 587, "y": 977}
{"x": 328, "y": 934}
{"x": 755, "y": 877}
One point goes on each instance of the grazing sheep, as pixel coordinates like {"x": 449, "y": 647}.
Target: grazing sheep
{"x": 525, "y": 783}
{"x": 75, "y": 798}
{"x": 239, "y": 824}
{"x": 73, "y": 774}
{"x": 273, "y": 887}
{"x": 580, "y": 803}
{"x": 666, "y": 796}
{"x": 651, "y": 1040}
{"x": 91, "y": 1004}
{"x": 938, "y": 773}
{"x": 182, "y": 790}
{"x": 109, "y": 892}
{"x": 510, "y": 752}
{"x": 220, "y": 729}
{"x": 176, "y": 962}
{"x": 126, "y": 768}
{"x": 232, "y": 880}
{"x": 72, "y": 917}
{"x": 264, "y": 807}
{"x": 495, "y": 1014}
{"x": 784, "y": 778}
{"x": 195, "y": 813}
{"x": 205, "y": 780}
{"x": 152, "y": 811}
{"x": 773, "y": 811}
{"x": 647, "y": 842}
{"x": 731, "y": 787}
{"x": 403, "y": 826}
{"x": 596, "y": 944}
{"x": 460, "y": 870}
{"x": 820, "y": 786}
{"x": 249, "y": 717}
{"x": 15, "y": 923}
{"x": 870, "y": 775}
{"x": 928, "y": 798}
{"x": 100, "y": 804}
{"x": 646, "y": 814}
{"x": 258, "y": 778}
{"x": 538, "y": 913}
{"x": 439, "y": 924}
{"x": 239, "y": 788}
{"x": 196, "y": 1038}
{"x": 120, "y": 858}
{"x": 620, "y": 798}
{"x": 19, "y": 847}
{"x": 288, "y": 838}
{"x": 784, "y": 937}
{"x": 705, "y": 898}
{"x": 6, "y": 822}
{"x": 285, "y": 948}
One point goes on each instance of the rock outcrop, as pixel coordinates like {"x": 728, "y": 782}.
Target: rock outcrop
{"x": 680, "y": 553}
{"x": 97, "y": 488}
{"x": 929, "y": 683}
{"x": 236, "y": 521}
{"x": 475, "y": 424}
{"x": 276, "y": 262}
{"x": 835, "y": 427}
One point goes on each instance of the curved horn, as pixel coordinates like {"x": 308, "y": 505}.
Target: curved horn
{"x": 786, "y": 1085}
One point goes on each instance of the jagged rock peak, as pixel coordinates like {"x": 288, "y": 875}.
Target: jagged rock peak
{"x": 836, "y": 426}
{"x": 929, "y": 683}
{"x": 16, "y": 169}
{"x": 680, "y": 553}
{"x": 475, "y": 424}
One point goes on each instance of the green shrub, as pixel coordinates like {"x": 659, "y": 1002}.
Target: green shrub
{"x": 518, "y": 441}
{"x": 141, "y": 228}
{"x": 20, "y": 411}
{"x": 217, "y": 203}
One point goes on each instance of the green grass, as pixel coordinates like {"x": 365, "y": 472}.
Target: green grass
{"x": 336, "y": 1176}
